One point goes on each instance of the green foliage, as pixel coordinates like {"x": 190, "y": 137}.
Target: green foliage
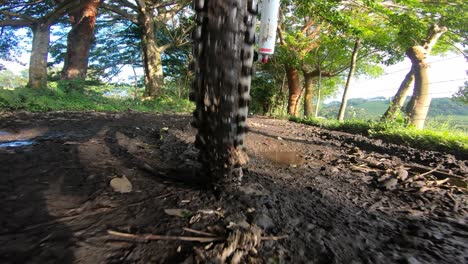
{"x": 56, "y": 97}
{"x": 438, "y": 137}
{"x": 268, "y": 97}
{"x": 9, "y": 80}
{"x": 462, "y": 94}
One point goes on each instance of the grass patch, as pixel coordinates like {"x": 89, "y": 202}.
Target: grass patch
{"x": 435, "y": 137}
{"x": 56, "y": 98}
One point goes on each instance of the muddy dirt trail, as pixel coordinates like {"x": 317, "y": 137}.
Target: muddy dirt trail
{"x": 68, "y": 178}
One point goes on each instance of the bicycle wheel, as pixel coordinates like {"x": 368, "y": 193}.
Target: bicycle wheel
{"x": 223, "y": 43}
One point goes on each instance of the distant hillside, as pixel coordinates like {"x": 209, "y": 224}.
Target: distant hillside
{"x": 373, "y": 108}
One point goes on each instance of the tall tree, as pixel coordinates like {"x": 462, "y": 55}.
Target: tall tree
{"x": 39, "y": 17}
{"x": 418, "y": 107}
{"x": 435, "y": 32}
{"x": 412, "y": 18}
{"x": 352, "y": 69}
{"x": 80, "y": 39}
{"x": 149, "y": 16}
{"x": 298, "y": 34}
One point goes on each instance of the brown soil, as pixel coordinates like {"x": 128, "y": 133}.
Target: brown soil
{"x": 339, "y": 198}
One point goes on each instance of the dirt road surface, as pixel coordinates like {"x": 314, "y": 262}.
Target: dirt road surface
{"x": 339, "y": 198}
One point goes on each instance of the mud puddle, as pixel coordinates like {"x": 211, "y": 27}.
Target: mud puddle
{"x": 291, "y": 158}
{"x": 16, "y": 144}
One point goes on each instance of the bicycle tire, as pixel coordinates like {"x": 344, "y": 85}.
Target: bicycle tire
{"x": 223, "y": 50}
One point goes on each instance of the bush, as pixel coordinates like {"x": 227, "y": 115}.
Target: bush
{"x": 59, "y": 97}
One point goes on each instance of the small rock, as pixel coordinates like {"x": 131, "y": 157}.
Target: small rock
{"x": 279, "y": 138}
{"x": 384, "y": 177}
{"x": 418, "y": 184}
{"x": 402, "y": 174}
{"x": 412, "y": 260}
{"x": 121, "y": 185}
{"x": 264, "y": 221}
{"x": 390, "y": 184}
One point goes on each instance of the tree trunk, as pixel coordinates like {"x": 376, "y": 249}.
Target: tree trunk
{"x": 352, "y": 69}
{"x": 319, "y": 88}
{"x": 433, "y": 36}
{"x": 79, "y": 40}
{"x": 309, "y": 92}
{"x": 152, "y": 63}
{"x": 418, "y": 107}
{"x": 39, "y": 53}
{"x": 400, "y": 97}
{"x": 294, "y": 90}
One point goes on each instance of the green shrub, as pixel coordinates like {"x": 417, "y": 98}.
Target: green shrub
{"x": 59, "y": 96}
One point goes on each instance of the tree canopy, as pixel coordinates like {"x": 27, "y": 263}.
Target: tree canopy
{"x": 315, "y": 44}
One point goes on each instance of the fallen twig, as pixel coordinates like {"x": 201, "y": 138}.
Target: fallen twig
{"x": 437, "y": 171}
{"x": 439, "y": 182}
{"x": 426, "y": 173}
{"x": 147, "y": 237}
{"x": 198, "y": 232}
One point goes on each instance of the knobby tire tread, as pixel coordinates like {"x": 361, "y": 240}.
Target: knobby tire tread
{"x": 223, "y": 49}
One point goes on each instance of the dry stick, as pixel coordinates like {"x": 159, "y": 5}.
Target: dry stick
{"x": 147, "y": 237}
{"x": 158, "y": 237}
{"x": 435, "y": 171}
{"x": 426, "y": 173}
{"x": 198, "y": 232}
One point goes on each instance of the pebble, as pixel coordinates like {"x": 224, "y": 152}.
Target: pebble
{"x": 390, "y": 184}
{"x": 402, "y": 174}
{"x": 264, "y": 221}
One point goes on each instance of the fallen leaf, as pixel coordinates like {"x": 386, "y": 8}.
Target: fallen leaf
{"x": 121, "y": 185}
